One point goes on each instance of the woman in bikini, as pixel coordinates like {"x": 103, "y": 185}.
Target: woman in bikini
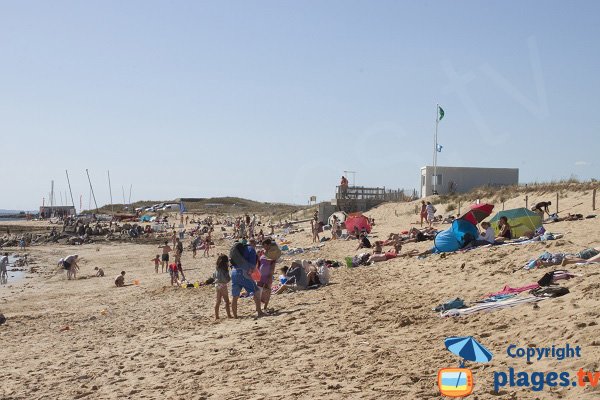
{"x": 504, "y": 228}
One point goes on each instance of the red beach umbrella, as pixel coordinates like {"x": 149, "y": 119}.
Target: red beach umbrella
{"x": 359, "y": 221}
{"x": 477, "y": 213}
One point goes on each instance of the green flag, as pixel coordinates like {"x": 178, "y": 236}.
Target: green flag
{"x": 441, "y": 110}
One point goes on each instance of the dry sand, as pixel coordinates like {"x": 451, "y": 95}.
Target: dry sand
{"x": 371, "y": 334}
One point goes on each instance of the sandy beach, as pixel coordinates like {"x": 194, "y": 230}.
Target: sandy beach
{"x": 370, "y": 334}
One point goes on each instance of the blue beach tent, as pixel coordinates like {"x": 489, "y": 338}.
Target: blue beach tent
{"x": 456, "y": 237}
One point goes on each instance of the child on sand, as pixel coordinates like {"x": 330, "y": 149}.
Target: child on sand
{"x": 222, "y": 279}
{"x": 156, "y": 262}
{"x": 207, "y": 245}
{"x": 174, "y": 274}
{"x": 120, "y": 279}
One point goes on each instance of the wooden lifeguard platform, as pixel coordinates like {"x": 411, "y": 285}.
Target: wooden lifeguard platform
{"x": 352, "y": 199}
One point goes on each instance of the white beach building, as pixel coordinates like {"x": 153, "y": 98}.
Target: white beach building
{"x": 463, "y": 179}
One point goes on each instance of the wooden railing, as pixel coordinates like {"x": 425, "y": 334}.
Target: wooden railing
{"x": 367, "y": 193}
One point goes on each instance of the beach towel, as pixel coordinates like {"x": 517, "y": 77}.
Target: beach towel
{"x": 488, "y": 307}
{"x": 499, "y": 297}
{"x": 509, "y": 290}
{"x": 451, "y": 304}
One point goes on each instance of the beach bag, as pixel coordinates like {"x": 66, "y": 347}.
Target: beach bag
{"x": 273, "y": 253}
{"x": 550, "y": 291}
{"x": 236, "y": 255}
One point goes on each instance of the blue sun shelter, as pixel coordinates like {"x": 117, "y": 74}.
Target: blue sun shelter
{"x": 460, "y": 233}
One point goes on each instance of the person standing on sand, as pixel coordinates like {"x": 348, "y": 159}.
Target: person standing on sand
{"x": 195, "y": 244}
{"x": 178, "y": 250}
{"x": 166, "y": 249}
{"x": 423, "y": 211}
{"x": 70, "y": 264}
{"x": 334, "y": 227}
{"x": 207, "y": 244}
{"x": 156, "y": 262}
{"x": 344, "y": 187}
{"x": 3, "y": 270}
{"x": 243, "y": 260}
{"x": 430, "y": 209}
{"x": 174, "y": 236}
{"x": 267, "y": 263}
{"x": 222, "y": 279}
{"x": 315, "y": 230}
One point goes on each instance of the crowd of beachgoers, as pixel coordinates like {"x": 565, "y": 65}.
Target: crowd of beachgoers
{"x": 250, "y": 270}
{"x": 380, "y": 278}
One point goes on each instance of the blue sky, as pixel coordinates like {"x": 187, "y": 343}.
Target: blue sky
{"x": 273, "y": 100}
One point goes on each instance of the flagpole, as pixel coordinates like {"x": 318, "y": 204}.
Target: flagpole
{"x": 437, "y": 120}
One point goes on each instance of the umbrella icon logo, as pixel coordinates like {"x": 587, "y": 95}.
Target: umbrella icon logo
{"x": 458, "y": 382}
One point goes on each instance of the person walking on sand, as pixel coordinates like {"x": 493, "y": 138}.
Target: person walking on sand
{"x": 430, "y": 209}
{"x": 156, "y": 262}
{"x": 243, "y": 260}
{"x": 166, "y": 249}
{"x": 222, "y": 279}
